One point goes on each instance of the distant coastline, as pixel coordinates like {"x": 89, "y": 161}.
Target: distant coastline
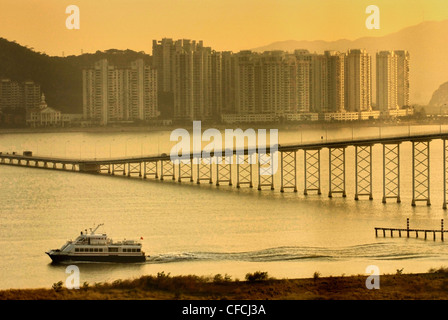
{"x": 188, "y": 126}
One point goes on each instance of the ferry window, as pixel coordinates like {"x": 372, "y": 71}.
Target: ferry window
{"x": 138, "y": 250}
{"x": 101, "y": 250}
{"x": 113, "y": 249}
{"x": 91, "y": 250}
{"x": 133, "y": 250}
{"x": 81, "y": 249}
{"x": 124, "y": 250}
{"x": 96, "y": 249}
{"x": 76, "y": 249}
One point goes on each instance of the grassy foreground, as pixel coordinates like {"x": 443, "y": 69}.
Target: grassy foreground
{"x": 258, "y": 286}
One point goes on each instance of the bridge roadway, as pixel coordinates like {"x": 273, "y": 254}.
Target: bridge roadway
{"x": 148, "y": 165}
{"x": 245, "y": 151}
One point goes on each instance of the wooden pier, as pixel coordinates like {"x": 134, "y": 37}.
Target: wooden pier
{"x": 410, "y": 232}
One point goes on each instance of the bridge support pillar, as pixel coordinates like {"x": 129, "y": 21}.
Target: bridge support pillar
{"x": 135, "y": 168}
{"x": 118, "y": 167}
{"x": 363, "y": 171}
{"x": 103, "y": 167}
{"x": 420, "y": 172}
{"x": 288, "y": 170}
{"x": 265, "y": 170}
{"x": 336, "y": 171}
{"x": 167, "y": 169}
{"x": 150, "y": 168}
{"x": 445, "y": 168}
{"x": 391, "y": 171}
{"x": 185, "y": 170}
{"x": 244, "y": 170}
{"x": 312, "y": 171}
{"x": 224, "y": 169}
{"x": 204, "y": 170}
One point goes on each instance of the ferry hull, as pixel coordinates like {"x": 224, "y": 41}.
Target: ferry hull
{"x": 59, "y": 258}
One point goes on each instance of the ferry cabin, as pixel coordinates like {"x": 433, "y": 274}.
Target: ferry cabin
{"x": 98, "y": 244}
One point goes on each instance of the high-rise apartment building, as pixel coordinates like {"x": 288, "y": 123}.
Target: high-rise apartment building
{"x": 247, "y": 83}
{"x": 320, "y": 81}
{"x": 216, "y": 98}
{"x": 192, "y": 74}
{"x": 163, "y": 53}
{"x": 327, "y": 82}
{"x": 403, "y": 59}
{"x": 265, "y": 83}
{"x": 357, "y": 81}
{"x": 336, "y": 83}
{"x": 229, "y": 72}
{"x": 386, "y": 81}
{"x": 117, "y": 93}
{"x": 278, "y": 73}
{"x": 19, "y": 95}
{"x": 304, "y": 62}
{"x": 392, "y": 80}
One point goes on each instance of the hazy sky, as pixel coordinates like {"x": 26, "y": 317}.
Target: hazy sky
{"x": 222, "y": 24}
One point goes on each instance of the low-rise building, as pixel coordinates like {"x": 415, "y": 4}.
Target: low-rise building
{"x": 43, "y": 115}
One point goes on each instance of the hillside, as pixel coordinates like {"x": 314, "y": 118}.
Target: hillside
{"x": 440, "y": 96}
{"x": 426, "y": 43}
{"x": 60, "y": 78}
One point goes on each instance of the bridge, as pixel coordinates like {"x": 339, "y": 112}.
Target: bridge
{"x": 199, "y": 167}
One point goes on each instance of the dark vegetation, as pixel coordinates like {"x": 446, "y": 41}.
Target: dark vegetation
{"x": 258, "y": 286}
{"x": 60, "y": 78}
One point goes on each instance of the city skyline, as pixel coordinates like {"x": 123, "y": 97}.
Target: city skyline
{"x": 216, "y": 23}
{"x": 194, "y": 82}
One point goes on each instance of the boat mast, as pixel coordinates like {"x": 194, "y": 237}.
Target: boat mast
{"x": 92, "y": 232}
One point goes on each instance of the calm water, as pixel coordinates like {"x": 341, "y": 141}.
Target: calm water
{"x": 204, "y": 229}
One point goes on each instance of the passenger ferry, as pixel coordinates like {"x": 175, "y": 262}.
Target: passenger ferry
{"x": 95, "y": 247}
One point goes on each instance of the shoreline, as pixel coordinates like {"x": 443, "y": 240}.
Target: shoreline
{"x": 189, "y": 126}
{"x": 432, "y": 285}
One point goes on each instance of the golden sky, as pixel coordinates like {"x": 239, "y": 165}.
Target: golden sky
{"x": 222, "y": 24}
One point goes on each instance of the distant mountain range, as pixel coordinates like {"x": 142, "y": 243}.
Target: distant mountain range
{"x": 61, "y": 77}
{"x": 427, "y": 44}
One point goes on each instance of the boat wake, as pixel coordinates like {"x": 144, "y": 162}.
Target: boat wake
{"x": 373, "y": 251}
